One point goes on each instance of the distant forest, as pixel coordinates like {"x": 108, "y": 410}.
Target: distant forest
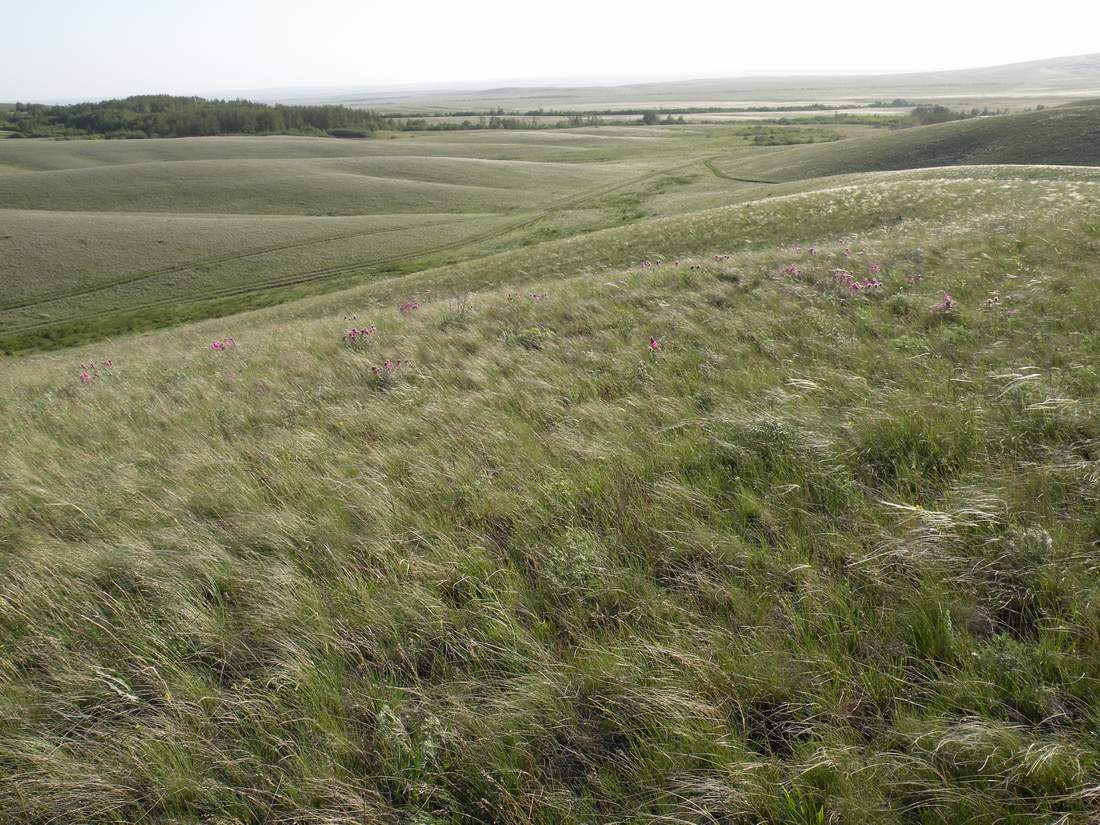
{"x": 165, "y": 116}
{"x": 148, "y": 116}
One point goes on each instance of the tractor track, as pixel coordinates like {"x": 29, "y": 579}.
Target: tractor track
{"x": 201, "y": 263}
{"x": 709, "y": 163}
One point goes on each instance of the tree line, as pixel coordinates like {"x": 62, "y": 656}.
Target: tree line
{"x": 166, "y": 116}
{"x": 446, "y": 123}
{"x": 146, "y": 116}
{"x": 926, "y": 115}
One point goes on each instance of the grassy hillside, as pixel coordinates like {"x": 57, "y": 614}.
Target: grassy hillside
{"x": 719, "y": 542}
{"x": 106, "y": 237}
{"x": 40, "y": 155}
{"x": 1067, "y": 135}
{"x": 338, "y": 187}
{"x": 103, "y": 237}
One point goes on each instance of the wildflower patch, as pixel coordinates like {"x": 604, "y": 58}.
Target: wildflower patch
{"x": 92, "y": 371}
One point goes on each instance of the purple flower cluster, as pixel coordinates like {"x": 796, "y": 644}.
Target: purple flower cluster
{"x": 224, "y": 344}
{"x": 852, "y": 283}
{"x": 359, "y": 335}
{"x": 91, "y": 371}
{"x": 387, "y": 367}
{"x": 868, "y": 283}
{"x": 946, "y": 305}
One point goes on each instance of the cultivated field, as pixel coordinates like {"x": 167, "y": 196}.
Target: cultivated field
{"x": 633, "y": 475}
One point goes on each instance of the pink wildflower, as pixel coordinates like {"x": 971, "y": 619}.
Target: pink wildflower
{"x": 387, "y": 366}
{"x": 946, "y": 305}
{"x": 357, "y": 334}
{"x": 409, "y": 306}
{"x": 654, "y": 345}
{"x": 845, "y": 278}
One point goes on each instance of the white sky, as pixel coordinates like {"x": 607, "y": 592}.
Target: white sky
{"x": 64, "y": 49}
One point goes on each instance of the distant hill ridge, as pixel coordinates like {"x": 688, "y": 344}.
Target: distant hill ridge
{"x": 1075, "y": 74}
{"x": 1063, "y": 135}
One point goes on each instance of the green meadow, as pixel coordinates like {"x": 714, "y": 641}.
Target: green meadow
{"x": 102, "y": 237}
{"x": 108, "y": 237}
{"x": 666, "y": 479}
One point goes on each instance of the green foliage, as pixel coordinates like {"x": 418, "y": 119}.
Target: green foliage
{"x": 919, "y": 449}
{"x": 146, "y": 116}
{"x": 530, "y": 337}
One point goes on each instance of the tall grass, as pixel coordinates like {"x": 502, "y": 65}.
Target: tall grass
{"x": 818, "y": 558}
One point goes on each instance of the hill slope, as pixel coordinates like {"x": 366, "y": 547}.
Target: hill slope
{"x": 110, "y": 236}
{"x": 1067, "y": 135}
{"x": 719, "y": 542}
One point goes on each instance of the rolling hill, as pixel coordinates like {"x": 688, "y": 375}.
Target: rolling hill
{"x": 716, "y": 540}
{"x": 102, "y": 237}
{"x": 557, "y": 479}
{"x": 1063, "y": 135}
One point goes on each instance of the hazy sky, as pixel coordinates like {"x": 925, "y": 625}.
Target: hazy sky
{"x": 60, "y": 49}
